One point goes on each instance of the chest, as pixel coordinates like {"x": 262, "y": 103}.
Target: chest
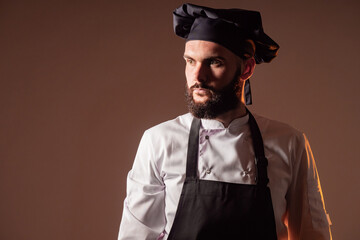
{"x": 225, "y": 156}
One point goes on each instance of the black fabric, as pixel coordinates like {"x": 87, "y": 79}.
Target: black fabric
{"x": 191, "y": 167}
{"x": 260, "y": 159}
{"x": 210, "y": 210}
{"x": 247, "y": 93}
{"x": 227, "y": 27}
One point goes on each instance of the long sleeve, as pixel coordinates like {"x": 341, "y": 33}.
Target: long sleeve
{"x": 306, "y": 215}
{"x": 143, "y": 213}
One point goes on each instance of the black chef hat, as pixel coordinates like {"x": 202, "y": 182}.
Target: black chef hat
{"x": 227, "y": 27}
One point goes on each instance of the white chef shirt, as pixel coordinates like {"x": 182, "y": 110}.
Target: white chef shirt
{"x": 155, "y": 181}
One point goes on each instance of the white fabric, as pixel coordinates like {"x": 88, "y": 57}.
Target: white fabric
{"x": 155, "y": 182}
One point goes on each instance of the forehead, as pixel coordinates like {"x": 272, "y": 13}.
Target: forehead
{"x": 206, "y": 49}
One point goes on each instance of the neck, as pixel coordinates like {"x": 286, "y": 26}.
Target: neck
{"x": 228, "y": 117}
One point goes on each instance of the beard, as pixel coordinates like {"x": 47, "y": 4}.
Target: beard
{"x": 219, "y": 102}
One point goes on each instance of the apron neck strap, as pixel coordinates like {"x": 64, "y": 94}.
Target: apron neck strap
{"x": 193, "y": 149}
{"x": 258, "y": 145}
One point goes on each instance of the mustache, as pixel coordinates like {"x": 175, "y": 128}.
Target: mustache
{"x": 201, "y": 85}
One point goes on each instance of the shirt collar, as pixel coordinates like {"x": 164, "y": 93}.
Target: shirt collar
{"x": 215, "y": 124}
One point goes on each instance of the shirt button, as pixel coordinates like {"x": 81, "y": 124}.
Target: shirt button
{"x": 207, "y": 137}
{"x": 208, "y": 171}
{"x": 245, "y": 173}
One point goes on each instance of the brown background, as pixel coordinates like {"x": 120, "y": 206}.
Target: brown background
{"x": 81, "y": 81}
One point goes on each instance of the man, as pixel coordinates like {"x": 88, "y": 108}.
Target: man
{"x": 218, "y": 172}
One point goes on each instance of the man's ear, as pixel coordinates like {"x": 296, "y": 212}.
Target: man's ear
{"x": 249, "y": 66}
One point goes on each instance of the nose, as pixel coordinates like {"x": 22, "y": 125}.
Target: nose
{"x": 200, "y": 73}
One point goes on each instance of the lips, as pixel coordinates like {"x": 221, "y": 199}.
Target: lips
{"x": 201, "y": 91}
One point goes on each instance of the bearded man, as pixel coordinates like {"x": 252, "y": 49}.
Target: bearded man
{"x": 219, "y": 172}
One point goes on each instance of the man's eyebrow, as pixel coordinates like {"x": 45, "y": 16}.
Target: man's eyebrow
{"x": 215, "y": 57}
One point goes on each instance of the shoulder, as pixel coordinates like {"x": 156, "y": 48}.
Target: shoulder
{"x": 180, "y": 124}
{"x": 166, "y": 140}
{"x": 266, "y": 124}
{"x": 279, "y": 132}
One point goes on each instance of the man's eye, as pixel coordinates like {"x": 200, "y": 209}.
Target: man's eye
{"x": 215, "y": 62}
{"x": 189, "y": 61}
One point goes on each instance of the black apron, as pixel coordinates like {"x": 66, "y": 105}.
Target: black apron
{"x": 219, "y": 210}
